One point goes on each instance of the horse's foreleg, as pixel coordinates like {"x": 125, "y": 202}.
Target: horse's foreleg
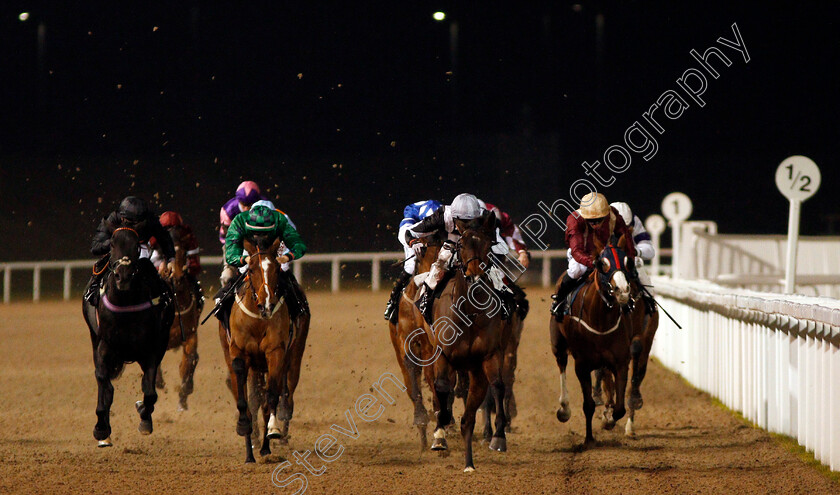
{"x": 105, "y": 396}
{"x": 493, "y": 373}
{"x": 159, "y": 383}
{"x": 274, "y": 385}
{"x": 620, "y": 389}
{"x": 609, "y": 406}
{"x": 443, "y": 390}
{"x": 147, "y": 406}
{"x": 636, "y": 346}
{"x": 585, "y": 379}
{"x": 488, "y": 406}
{"x": 475, "y": 396}
{"x": 294, "y": 359}
{"x": 240, "y": 386}
{"x": 597, "y": 393}
{"x": 560, "y": 349}
{"x": 189, "y": 360}
{"x": 257, "y": 406}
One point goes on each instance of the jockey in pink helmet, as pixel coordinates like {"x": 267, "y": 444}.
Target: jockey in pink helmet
{"x": 247, "y": 194}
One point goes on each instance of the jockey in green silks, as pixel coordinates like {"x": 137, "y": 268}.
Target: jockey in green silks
{"x": 262, "y": 220}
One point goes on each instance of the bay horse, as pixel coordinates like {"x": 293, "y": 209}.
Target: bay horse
{"x": 184, "y": 330}
{"x": 475, "y": 345}
{"x": 511, "y": 336}
{"x": 597, "y": 332}
{"x": 259, "y": 339}
{"x": 126, "y": 326}
{"x": 644, "y": 326}
{"x": 411, "y": 343}
{"x": 289, "y": 382}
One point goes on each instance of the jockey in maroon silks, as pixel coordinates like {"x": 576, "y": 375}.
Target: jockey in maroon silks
{"x": 170, "y": 220}
{"x": 590, "y": 226}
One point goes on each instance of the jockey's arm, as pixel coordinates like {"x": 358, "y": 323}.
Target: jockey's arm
{"x": 233, "y": 242}
{"x": 290, "y": 238}
{"x": 101, "y": 243}
{"x": 426, "y": 227}
{"x": 575, "y": 232}
{"x": 164, "y": 241}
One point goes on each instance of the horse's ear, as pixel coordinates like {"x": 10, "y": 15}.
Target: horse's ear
{"x": 622, "y": 242}
{"x": 488, "y": 221}
{"x": 275, "y": 246}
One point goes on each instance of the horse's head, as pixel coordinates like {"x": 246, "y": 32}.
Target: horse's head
{"x": 263, "y": 268}
{"x": 477, "y": 237}
{"x": 179, "y": 270}
{"x": 612, "y": 275}
{"x": 125, "y": 251}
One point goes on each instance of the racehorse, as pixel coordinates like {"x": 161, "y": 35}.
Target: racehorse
{"x": 126, "y": 327}
{"x": 184, "y": 330}
{"x": 597, "y": 331}
{"x": 259, "y": 339}
{"x": 644, "y": 326}
{"x": 412, "y": 345}
{"x": 475, "y": 345}
{"x": 257, "y": 383}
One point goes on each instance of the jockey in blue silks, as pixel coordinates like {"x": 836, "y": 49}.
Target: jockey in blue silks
{"x": 412, "y": 214}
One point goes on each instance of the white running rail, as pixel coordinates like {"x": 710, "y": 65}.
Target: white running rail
{"x": 773, "y": 357}
{"x": 334, "y": 259}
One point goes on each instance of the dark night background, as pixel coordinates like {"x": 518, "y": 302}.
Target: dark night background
{"x": 344, "y": 112}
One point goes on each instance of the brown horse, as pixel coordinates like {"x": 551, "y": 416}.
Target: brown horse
{"x": 411, "y": 345}
{"x": 597, "y": 331}
{"x": 467, "y": 335}
{"x": 257, "y": 384}
{"x": 184, "y": 330}
{"x": 645, "y": 330}
{"x": 512, "y": 334}
{"x": 260, "y": 338}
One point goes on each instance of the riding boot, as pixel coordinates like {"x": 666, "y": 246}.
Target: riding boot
{"x": 520, "y": 300}
{"x": 396, "y": 292}
{"x": 426, "y": 302}
{"x": 506, "y": 298}
{"x": 284, "y": 288}
{"x": 297, "y": 292}
{"x": 199, "y": 294}
{"x": 558, "y": 307}
{"x": 92, "y": 292}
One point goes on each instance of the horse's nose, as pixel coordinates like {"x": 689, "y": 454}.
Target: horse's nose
{"x": 261, "y": 308}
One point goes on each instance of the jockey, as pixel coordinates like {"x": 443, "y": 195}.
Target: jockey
{"x": 169, "y": 220}
{"x": 297, "y": 301}
{"x": 464, "y": 207}
{"x": 247, "y": 193}
{"x": 412, "y": 214}
{"x": 510, "y": 233}
{"x": 644, "y": 249}
{"x": 594, "y": 223}
{"x": 262, "y": 219}
{"x": 134, "y": 214}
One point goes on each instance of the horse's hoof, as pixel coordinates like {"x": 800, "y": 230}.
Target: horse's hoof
{"x": 439, "y": 444}
{"x": 635, "y": 403}
{"x": 105, "y": 443}
{"x": 243, "y": 429}
{"x": 499, "y": 444}
{"x": 274, "y": 434}
{"x": 265, "y": 452}
{"x": 145, "y": 427}
{"x": 563, "y": 415}
{"x": 589, "y": 443}
{"x": 250, "y": 460}
{"x": 469, "y": 469}
{"x": 599, "y": 401}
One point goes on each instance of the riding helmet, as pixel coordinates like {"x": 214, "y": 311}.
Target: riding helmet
{"x": 248, "y": 192}
{"x": 594, "y": 205}
{"x": 260, "y": 218}
{"x": 465, "y": 207}
{"x": 133, "y": 209}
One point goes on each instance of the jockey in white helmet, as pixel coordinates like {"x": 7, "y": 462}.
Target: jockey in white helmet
{"x": 464, "y": 207}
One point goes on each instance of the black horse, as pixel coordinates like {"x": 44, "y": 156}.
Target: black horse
{"x": 130, "y": 324}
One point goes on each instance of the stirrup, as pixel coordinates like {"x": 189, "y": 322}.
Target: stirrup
{"x": 390, "y": 310}
{"x": 558, "y": 307}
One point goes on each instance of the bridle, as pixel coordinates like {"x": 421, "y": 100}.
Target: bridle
{"x": 125, "y": 260}
{"x": 254, "y": 290}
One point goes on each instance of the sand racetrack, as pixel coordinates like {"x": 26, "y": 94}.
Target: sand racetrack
{"x": 685, "y": 443}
